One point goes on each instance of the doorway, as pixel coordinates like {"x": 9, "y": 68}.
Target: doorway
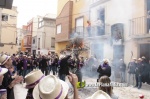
{"x": 145, "y": 51}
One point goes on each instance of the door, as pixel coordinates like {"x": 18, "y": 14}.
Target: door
{"x": 145, "y": 51}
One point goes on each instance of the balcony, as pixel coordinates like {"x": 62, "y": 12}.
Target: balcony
{"x": 94, "y": 3}
{"x": 91, "y": 32}
{"x": 140, "y": 27}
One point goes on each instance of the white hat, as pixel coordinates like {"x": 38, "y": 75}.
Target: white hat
{"x": 61, "y": 56}
{"x": 143, "y": 57}
{"x": 50, "y": 87}
{"x": 3, "y": 70}
{"x": 3, "y": 59}
{"x": 99, "y": 95}
{"x": 33, "y": 78}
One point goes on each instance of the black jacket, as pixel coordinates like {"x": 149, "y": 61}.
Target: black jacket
{"x": 64, "y": 66}
{"x": 6, "y": 82}
{"x": 104, "y": 71}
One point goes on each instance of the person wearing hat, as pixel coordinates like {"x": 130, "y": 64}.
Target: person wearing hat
{"x": 138, "y": 73}
{"x": 64, "y": 67}
{"x": 3, "y": 94}
{"x": 8, "y": 82}
{"x": 104, "y": 69}
{"x": 31, "y": 80}
{"x": 50, "y": 87}
{"x": 122, "y": 68}
{"x": 99, "y": 95}
{"x": 131, "y": 70}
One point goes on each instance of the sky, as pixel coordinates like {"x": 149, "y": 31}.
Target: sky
{"x": 27, "y": 9}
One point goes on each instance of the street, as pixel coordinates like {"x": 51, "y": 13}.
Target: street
{"x": 121, "y": 92}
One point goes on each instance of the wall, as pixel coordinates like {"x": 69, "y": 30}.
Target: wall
{"x": 9, "y": 31}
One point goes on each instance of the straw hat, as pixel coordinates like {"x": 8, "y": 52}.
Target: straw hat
{"x": 140, "y": 59}
{"x": 33, "y": 78}
{"x": 3, "y": 70}
{"x": 99, "y": 95}
{"x": 61, "y": 57}
{"x": 3, "y": 59}
{"x": 143, "y": 57}
{"x": 50, "y": 87}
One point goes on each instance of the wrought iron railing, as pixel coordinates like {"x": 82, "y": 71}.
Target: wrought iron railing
{"x": 140, "y": 26}
{"x": 92, "y": 31}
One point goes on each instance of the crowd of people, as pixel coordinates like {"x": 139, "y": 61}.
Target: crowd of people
{"x": 34, "y": 71}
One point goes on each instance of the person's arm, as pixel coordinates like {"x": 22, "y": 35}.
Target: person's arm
{"x": 73, "y": 80}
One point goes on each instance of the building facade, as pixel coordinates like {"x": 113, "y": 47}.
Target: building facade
{"x": 8, "y": 30}
{"x": 112, "y": 29}
{"x": 45, "y": 39}
{"x": 27, "y": 39}
{"x": 19, "y": 39}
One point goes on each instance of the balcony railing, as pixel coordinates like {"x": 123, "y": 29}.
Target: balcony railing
{"x": 140, "y": 26}
{"x": 93, "y": 31}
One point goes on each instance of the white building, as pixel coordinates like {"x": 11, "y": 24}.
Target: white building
{"x": 43, "y": 37}
{"x": 19, "y": 38}
{"x": 8, "y": 30}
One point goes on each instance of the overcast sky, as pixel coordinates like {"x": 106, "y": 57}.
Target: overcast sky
{"x": 27, "y": 9}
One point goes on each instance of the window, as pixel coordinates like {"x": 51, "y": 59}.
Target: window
{"x": 38, "y": 43}
{"x": 53, "y": 42}
{"x": 79, "y": 26}
{"x": 77, "y": 0}
{"x": 4, "y": 17}
{"x": 33, "y": 41}
{"x": 58, "y": 29}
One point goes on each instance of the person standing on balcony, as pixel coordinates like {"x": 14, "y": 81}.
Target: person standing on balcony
{"x": 89, "y": 28}
{"x": 99, "y": 27}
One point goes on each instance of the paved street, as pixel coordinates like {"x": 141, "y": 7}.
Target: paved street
{"x": 122, "y": 92}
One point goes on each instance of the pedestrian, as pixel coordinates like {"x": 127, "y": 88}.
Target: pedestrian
{"x": 44, "y": 65}
{"x": 50, "y": 87}
{"x": 8, "y": 82}
{"x": 104, "y": 69}
{"x": 3, "y": 92}
{"x": 107, "y": 87}
{"x": 131, "y": 70}
{"x": 138, "y": 73}
{"x": 122, "y": 70}
{"x": 64, "y": 67}
{"x": 31, "y": 80}
{"x": 99, "y": 95}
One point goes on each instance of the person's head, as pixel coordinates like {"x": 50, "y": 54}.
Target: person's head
{"x": 105, "y": 61}
{"x": 143, "y": 58}
{"x": 99, "y": 95}
{"x": 6, "y": 61}
{"x": 134, "y": 59}
{"x": 139, "y": 60}
{"x": 105, "y": 80}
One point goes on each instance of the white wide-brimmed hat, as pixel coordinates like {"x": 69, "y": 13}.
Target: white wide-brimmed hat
{"x": 99, "y": 95}
{"x": 3, "y": 59}
{"x": 50, "y": 87}
{"x": 61, "y": 56}
{"x": 3, "y": 70}
{"x": 33, "y": 78}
